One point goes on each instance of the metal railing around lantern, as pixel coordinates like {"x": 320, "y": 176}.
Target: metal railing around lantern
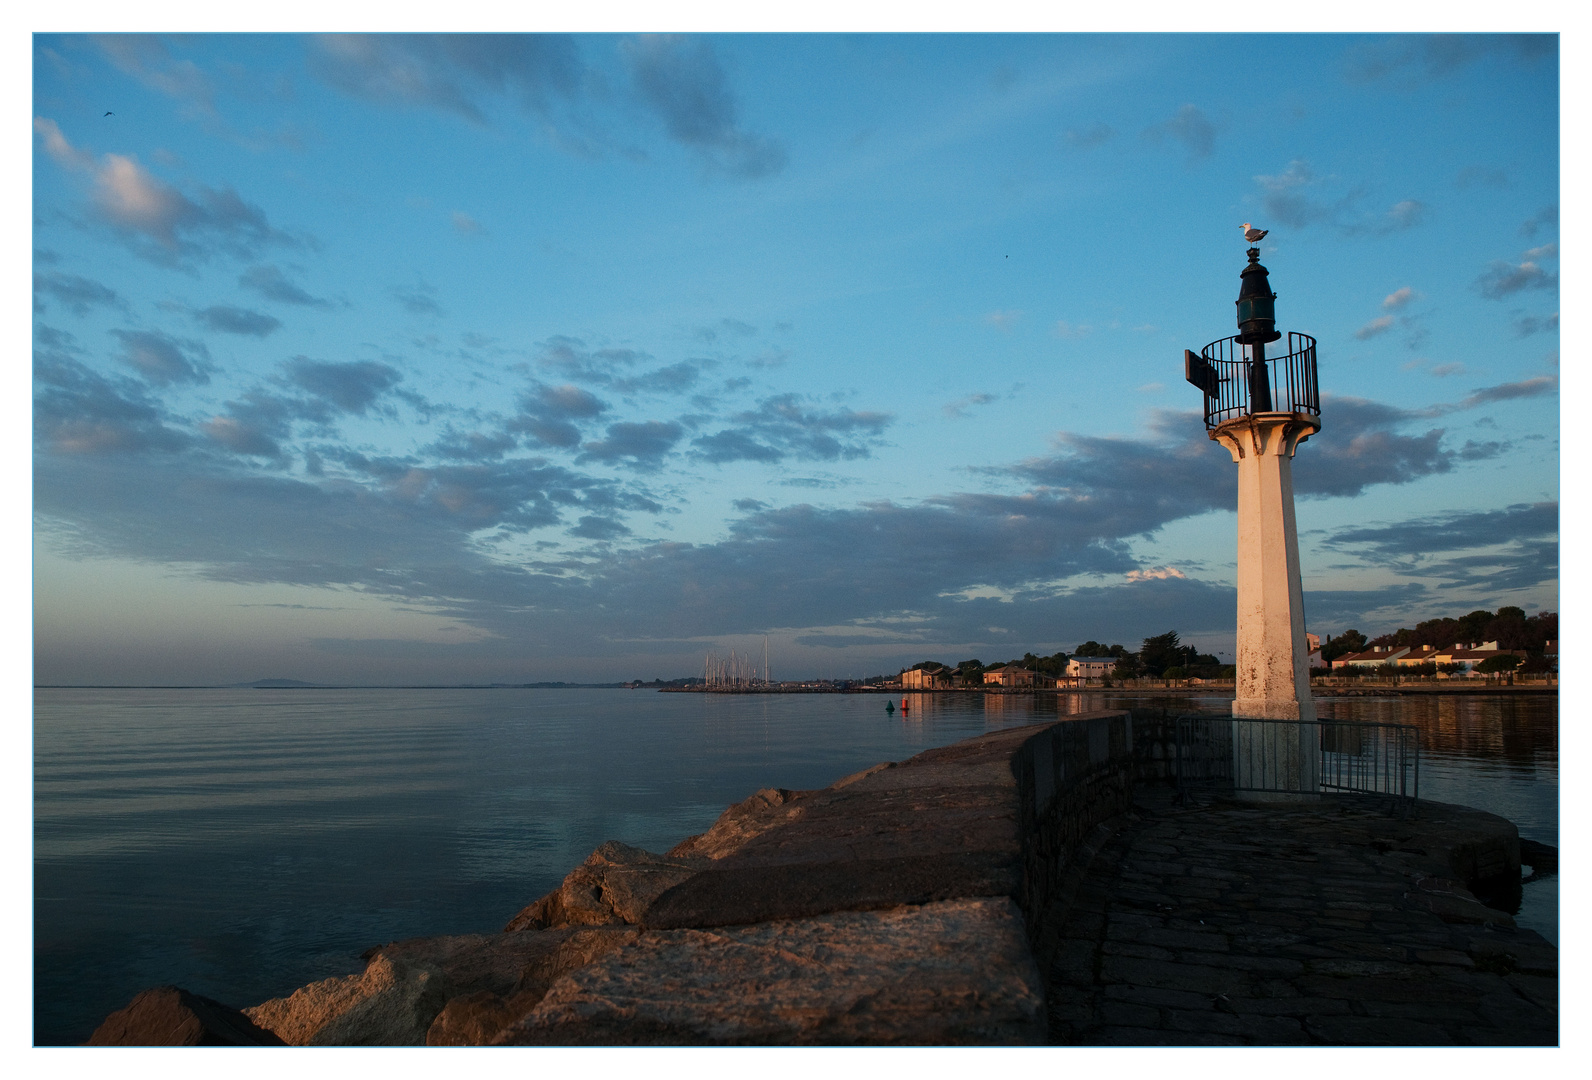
{"x": 1235, "y": 385}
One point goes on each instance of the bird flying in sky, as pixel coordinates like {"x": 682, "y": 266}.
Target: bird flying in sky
{"x": 1253, "y": 235}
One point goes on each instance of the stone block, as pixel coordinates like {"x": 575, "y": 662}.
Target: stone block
{"x": 956, "y": 972}
{"x": 615, "y": 884}
{"x": 172, "y": 1016}
{"x": 390, "y": 1003}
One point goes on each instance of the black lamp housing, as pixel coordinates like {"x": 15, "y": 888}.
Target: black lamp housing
{"x": 1257, "y": 309}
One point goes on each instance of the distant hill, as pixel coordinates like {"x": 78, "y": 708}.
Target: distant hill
{"x": 274, "y": 684}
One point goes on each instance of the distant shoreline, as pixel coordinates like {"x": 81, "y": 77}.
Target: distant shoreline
{"x": 1159, "y": 691}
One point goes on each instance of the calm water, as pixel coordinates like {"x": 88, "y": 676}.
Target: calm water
{"x": 241, "y": 843}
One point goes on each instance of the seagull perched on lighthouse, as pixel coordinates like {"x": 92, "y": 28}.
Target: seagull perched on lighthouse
{"x": 1253, "y": 235}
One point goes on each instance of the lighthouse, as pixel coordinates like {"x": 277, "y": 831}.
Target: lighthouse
{"x": 1260, "y": 408}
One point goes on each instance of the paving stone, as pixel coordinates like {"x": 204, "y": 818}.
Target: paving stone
{"x": 1289, "y": 1006}
{"x": 1133, "y": 948}
{"x": 1128, "y": 1014}
{"x": 1170, "y": 975}
{"x": 1253, "y": 1029}
{"x": 1305, "y": 934}
{"x": 1272, "y": 965}
{"x": 1130, "y": 1036}
{"x": 1375, "y": 1031}
{"x": 1155, "y": 995}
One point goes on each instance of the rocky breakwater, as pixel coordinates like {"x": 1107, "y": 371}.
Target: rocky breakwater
{"x": 887, "y": 908}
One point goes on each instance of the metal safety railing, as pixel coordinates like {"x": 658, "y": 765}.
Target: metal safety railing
{"x": 1293, "y": 757}
{"x": 1236, "y": 385}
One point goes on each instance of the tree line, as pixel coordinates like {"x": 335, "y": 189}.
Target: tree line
{"x": 1161, "y": 656}
{"x": 1510, "y": 627}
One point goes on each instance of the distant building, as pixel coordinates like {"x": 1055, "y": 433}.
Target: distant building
{"x": 1010, "y": 675}
{"x": 1091, "y": 667}
{"x": 1419, "y": 655}
{"x": 1470, "y": 655}
{"x": 934, "y": 677}
{"x": 1382, "y": 654}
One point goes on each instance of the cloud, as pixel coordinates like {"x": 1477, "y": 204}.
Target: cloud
{"x": 1289, "y": 197}
{"x": 77, "y": 411}
{"x": 1527, "y": 325}
{"x": 57, "y": 146}
{"x": 1546, "y": 251}
{"x": 241, "y": 437}
{"x": 549, "y": 414}
{"x": 1399, "y": 298}
{"x": 417, "y": 299}
{"x": 1188, "y": 126}
{"x": 1400, "y": 216}
{"x": 1003, "y": 320}
{"x": 734, "y": 327}
{"x": 672, "y": 379}
{"x": 1090, "y": 137}
{"x": 348, "y": 387}
{"x": 1142, "y": 484}
{"x": 158, "y": 222}
{"x": 1285, "y": 199}
{"x": 270, "y": 283}
{"x": 1548, "y": 216}
{"x": 1536, "y": 386}
{"x": 611, "y": 367}
{"x": 421, "y": 528}
{"x": 450, "y": 71}
{"x": 1505, "y": 279}
{"x": 1156, "y": 574}
{"x": 146, "y": 58}
{"x": 1477, "y": 176}
{"x": 163, "y": 359}
{"x": 1380, "y": 324}
{"x": 1065, "y": 329}
{"x": 1453, "y": 367}
{"x": 783, "y": 427}
{"x": 465, "y": 224}
{"x": 232, "y": 320}
{"x": 641, "y": 446}
{"x": 1411, "y": 60}
{"x": 1512, "y": 548}
{"x": 571, "y": 358}
{"x": 680, "y": 79}
{"x": 76, "y": 294}
{"x": 956, "y": 410}
{"x": 593, "y": 527}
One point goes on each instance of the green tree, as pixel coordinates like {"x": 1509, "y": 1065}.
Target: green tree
{"x": 1090, "y": 648}
{"x": 1501, "y": 662}
{"x": 1128, "y": 667}
{"x": 1160, "y": 652}
{"x": 1350, "y": 641}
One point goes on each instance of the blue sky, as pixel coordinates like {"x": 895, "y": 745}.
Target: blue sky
{"x": 375, "y": 359}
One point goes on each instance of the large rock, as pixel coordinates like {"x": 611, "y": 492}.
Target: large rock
{"x": 499, "y": 978}
{"x": 939, "y": 826}
{"x": 171, "y": 1016}
{"x": 957, "y": 972}
{"x": 615, "y": 884}
{"x": 743, "y": 821}
{"x": 391, "y": 1003}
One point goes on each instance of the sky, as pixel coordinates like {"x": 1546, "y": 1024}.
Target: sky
{"x": 396, "y": 359}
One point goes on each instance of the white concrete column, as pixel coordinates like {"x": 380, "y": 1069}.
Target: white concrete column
{"x": 1273, "y": 660}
